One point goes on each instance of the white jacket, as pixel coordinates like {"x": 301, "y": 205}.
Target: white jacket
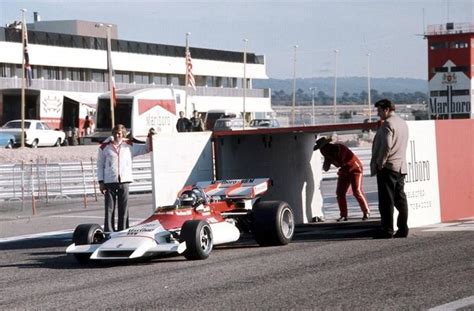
{"x": 114, "y": 165}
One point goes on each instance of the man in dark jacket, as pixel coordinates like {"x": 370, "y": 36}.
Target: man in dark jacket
{"x": 197, "y": 125}
{"x": 183, "y": 124}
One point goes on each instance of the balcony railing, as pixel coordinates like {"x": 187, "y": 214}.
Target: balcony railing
{"x": 449, "y": 28}
{"x": 102, "y": 87}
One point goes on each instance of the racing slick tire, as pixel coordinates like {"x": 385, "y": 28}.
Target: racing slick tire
{"x": 273, "y": 223}
{"x": 198, "y": 237}
{"x": 87, "y": 234}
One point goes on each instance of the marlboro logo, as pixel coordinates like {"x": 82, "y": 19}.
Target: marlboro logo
{"x": 449, "y": 78}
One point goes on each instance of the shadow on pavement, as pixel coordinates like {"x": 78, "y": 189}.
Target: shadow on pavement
{"x": 349, "y": 230}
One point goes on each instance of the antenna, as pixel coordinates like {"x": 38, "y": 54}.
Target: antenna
{"x": 447, "y": 10}
{"x": 423, "y": 20}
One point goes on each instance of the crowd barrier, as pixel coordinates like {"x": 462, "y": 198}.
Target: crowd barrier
{"x": 45, "y": 182}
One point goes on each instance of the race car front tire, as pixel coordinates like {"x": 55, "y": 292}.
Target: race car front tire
{"x": 86, "y": 234}
{"x": 198, "y": 237}
{"x": 272, "y": 223}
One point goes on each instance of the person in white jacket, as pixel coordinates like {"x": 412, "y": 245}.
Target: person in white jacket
{"x": 114, "y": 173}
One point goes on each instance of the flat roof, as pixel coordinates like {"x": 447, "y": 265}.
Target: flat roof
{"x": 97, "y": 43}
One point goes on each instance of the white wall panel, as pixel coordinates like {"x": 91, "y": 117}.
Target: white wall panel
{"x": 179, "y": 159}
{"x": 421, "y": 182}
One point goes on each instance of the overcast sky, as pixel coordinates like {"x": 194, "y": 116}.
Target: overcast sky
{"x": 390, "y": 30}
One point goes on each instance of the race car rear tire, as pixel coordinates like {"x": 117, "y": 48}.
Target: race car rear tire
{"x": 272, "y": 223}
{"x": 86, "y": 234}
{"x": 198, "y": 237}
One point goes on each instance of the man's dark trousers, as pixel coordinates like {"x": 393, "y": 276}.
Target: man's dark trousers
{"x": 120, "y": 192}
{"x": 391, "y": 193}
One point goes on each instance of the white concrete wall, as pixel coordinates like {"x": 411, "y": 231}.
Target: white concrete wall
{"x": 179, "y": 159}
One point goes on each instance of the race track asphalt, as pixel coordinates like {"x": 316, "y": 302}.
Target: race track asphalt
{"x": 329, "y": 265}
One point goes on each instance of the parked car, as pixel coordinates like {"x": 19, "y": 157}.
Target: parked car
{"x": 213, "y": 115}
{"x": 372, "y": 119}
{"x": 228, "y": 124}
{"x": 7, "y": 140}
{"x": 264, "y": 123}
{"x": 37, "y": 133}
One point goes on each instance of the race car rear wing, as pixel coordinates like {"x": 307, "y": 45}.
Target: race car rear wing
{"x": 235, "y": 188}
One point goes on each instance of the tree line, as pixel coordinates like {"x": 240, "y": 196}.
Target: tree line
{"x": 321, "y": 98}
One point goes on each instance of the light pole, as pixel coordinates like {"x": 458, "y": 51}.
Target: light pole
{"x": 245, "y": 81}
{"x": 294, "y": 87}
{"x": 335, "y": 83}
{"x": 368, "y": 87}
{"x": 313, "y": 91}
{"x": 109, "y": 65}
{"x": 23, "y": 82}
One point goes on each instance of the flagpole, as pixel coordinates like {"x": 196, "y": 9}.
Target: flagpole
{"x": 23, "y": 28}
{"x": 244, "y": 82}
{"x": 186, "y": 79}
{"x": 109, "y": 64}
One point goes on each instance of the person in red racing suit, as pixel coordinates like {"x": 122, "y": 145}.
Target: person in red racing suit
{"x": 350, "y": 173}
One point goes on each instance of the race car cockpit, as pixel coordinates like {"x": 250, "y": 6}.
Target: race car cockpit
{"x": 193, "y": 198}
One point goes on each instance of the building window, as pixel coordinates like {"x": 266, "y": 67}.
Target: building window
{"x": 227, "y": 82}
{"x": 98, "y": 76}
{"x": 438, "y": 93}
{"x": 438, "y": 45}
{"x": 439, "y": 69}
{"x": 76, "y": 74}
{"x": 122, "y": 77}
{"x": 182, "y": 79}
{"x": 460, "y": 69}
{"x": 51, "y": 73}
{"x": 141, "y": 78}
{"x": 159, "y": 79}
{"x": 172, "y": 80}
{"x": 211, "y": 81}
{"x": 200, "y": 80}
{"x": 5, "y": 70}
{"x": 460, "y": 92}
{"x": 458, "y": 45}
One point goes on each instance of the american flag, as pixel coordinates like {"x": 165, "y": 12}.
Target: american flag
{"x": 112, "y": 90}
{"x": 189, "y": 69}
{"x": 28, "y": 70}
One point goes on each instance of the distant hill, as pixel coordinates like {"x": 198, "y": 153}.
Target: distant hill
{"x": 347, "y": 84}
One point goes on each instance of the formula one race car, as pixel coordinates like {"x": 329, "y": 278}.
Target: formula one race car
{"x": 205, "y": 214}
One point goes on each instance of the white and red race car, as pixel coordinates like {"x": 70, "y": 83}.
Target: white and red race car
{"x": 205, "y": 214}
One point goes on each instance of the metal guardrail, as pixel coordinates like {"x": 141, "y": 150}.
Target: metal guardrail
{"x": 43, "y": 181}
